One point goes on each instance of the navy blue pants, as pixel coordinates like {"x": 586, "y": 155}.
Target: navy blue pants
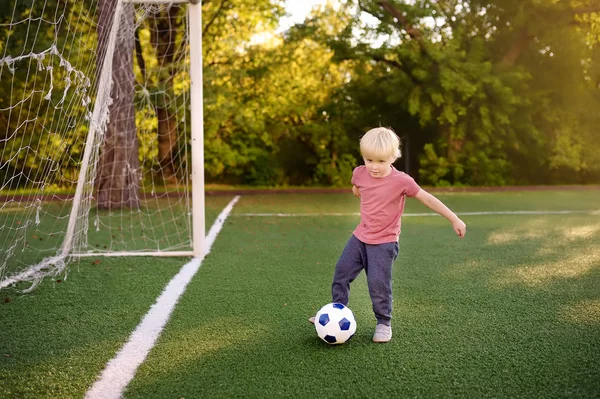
{"x": 377, "y": 262}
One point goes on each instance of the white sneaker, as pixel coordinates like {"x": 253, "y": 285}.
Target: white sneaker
{"x": 311, "y": 320}
{"x": 383, "y": 333}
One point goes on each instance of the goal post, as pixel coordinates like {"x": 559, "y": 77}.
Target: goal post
{"x": 58, "y": 116}
{"x": 197, "y": 104}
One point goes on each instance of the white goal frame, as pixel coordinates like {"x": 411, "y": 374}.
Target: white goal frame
{"x": 197, "y": 134}
{"x": 198, "y": 226}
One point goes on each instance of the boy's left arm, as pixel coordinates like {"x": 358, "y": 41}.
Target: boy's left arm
{"x": 438, "y": 206}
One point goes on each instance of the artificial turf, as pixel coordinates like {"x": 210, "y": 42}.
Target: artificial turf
{"x": 513, "y": 310}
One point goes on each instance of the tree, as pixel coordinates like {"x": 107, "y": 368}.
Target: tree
{"x": 164, "y": 33}
{"x": 468, "y": 73}
{"x": 265, "y": 119}
{"x": 45, "y": 91}
{"x": 117, "y": 180}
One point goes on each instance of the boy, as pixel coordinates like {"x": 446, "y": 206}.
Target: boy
{"x": 374, "y": 244}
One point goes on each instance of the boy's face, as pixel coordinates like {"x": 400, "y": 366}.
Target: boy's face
{"x": 378, "y": 167}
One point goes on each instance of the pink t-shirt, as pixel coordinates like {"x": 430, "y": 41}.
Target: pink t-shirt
{"x": 381, "y": 204}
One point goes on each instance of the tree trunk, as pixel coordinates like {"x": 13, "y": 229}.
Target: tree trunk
{"x": 167, "y": 140}
{"x": 163, "y": 34}
{"x": 117, "y": 178}
{"x": 519, "y": 45}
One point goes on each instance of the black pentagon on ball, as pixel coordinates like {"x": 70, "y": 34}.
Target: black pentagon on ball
{"x": 338, "y": 306}
{"x": 345, "y": 324}
{"x": 324, "y": 319}
{"x": 330, "y": 339}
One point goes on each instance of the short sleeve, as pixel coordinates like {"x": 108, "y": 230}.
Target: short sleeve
{"x": 411, "y": 188}
{"x": 354, "y": 175}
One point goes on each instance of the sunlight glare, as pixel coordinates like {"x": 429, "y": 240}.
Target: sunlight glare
{"x": 585, "y": 312}
{"x": 572, "y": 266}
{"x": 193, "y": 345}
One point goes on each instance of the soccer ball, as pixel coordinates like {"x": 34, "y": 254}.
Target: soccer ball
{"x": 335, "y": 323}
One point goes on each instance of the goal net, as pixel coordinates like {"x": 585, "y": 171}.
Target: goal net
{"x": 95, "y": 153}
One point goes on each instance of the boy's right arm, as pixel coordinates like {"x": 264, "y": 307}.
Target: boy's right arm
{"x": 435, "y": 204}
{"x": 355, "y": 191}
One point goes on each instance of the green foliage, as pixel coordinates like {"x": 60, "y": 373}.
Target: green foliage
{"x": 46, "y": 91}
{"x": 434, "y": 168}
{"x": 329, "y": 145}
{"x": 495, "y": 87}
{"x": 482, "y": 93}
{"x": 265, "y": 116}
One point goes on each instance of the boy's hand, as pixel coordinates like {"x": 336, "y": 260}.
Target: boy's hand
{"x": 459, "y": 227}
{"x": 355, "y": 191}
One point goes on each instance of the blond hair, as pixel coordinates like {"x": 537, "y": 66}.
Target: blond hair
{"x": 380, "y": 143}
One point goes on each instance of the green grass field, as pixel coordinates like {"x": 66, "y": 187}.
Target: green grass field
{"x": 511, "y": 311}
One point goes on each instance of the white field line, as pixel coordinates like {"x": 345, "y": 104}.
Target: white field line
{"x": 491, "y": 213}
{"x": 121, "y": 369}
